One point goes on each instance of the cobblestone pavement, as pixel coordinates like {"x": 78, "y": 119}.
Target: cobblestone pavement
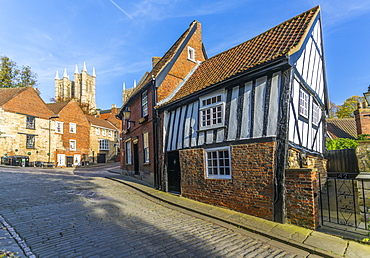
{"x": 79, "y": 213}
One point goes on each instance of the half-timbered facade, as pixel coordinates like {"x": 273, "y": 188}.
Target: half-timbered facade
{"x": 246, "y": 129}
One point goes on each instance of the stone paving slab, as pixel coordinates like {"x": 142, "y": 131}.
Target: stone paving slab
{"x": 316, "y": 242}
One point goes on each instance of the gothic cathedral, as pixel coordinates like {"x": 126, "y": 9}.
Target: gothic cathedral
{"x": 82, "y": 88}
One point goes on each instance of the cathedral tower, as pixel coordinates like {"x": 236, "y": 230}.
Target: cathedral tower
{"x": 82, "y": 88}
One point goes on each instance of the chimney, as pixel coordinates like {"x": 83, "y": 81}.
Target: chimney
{"x": 97, "y": 114}
{"x": 114, "y": 109}
{"x": 155, "y": 60}
{"x": 362, "y": 117}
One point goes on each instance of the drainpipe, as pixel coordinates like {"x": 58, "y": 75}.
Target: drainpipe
{"x": 157, "y": 181}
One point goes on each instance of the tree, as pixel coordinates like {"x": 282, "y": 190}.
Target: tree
{"x": 349, "y": 106}
{"x": 333, "y": 110}
{"x": 13, "y": 77}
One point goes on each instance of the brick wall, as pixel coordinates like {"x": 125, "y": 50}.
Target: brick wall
{"x": 302, "y": 197}
{"x": 362, "y": 120}
{"x": 183, "y": 65}
{"x": 146, "y": 170}
{"x": 249, "y": 191}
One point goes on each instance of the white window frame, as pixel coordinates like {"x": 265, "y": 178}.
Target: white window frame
{"x": 210, "y": 106}
{"x": 128, "y": 157}
{"x": 316, "y": 114}
{"x": 72, "y": 145}
{"x": 303, "y": 102}
{"x": 77, "y": 160}
{"x": 61, "y": 160}
{"x": 109, "y": 133}
{"x": 146, "y": 147}
{"x": 191, "y": 53}
{"x": 59, "y": 127}
{"x": 217, "y": 165}
{"x": 72, "y": 127}
{"x": 104, "y": 132}
{"x": 115, "y": 134}
{"x": 97, "y": 131}
{"x": 103, "y": 144}
{"x": 144, "y": 103}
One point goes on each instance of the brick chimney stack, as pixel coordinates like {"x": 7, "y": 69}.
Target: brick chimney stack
{"x": 362, "y": 117}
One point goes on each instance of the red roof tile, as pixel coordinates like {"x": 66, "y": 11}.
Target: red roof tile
{"x": 282, "y": 40}
{"x": 101, "y": 122}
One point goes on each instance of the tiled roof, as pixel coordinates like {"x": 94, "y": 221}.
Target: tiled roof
{"x": 161, "y": 63}
{"x": 282, "y": 40}
{"x": 342, "y": 128}
{"x": 101, "y": 122}
{"x": 7, "y": 94}
{"x": 56, "y": 107}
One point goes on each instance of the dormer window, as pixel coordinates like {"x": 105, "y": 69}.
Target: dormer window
{"x": 191, "y": 54}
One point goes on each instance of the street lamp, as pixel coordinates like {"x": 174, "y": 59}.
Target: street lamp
{"x": 127, "y": 115}
{"x": 50, "y": 136}
{"x": 367, "y": 96}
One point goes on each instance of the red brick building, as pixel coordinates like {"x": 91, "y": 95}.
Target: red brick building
{"x": 140, "y": 157}
{"x": 74, "y": 129}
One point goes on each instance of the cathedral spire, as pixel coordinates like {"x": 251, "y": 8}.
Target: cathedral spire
{"x": 134, "y": 83}
{"x": 57, "y": 76}
{"x": 84, "y": 68}
{"x": 76, "y": 70}
{"x": 123, "y": 93}
{"x": 65, "y": 75}
{"x": 93, "y": 72}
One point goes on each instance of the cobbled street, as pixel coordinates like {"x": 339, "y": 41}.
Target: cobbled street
{"x": 79, "y": 213}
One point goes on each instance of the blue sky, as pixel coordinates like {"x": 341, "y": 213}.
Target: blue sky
{"x": 119, "y": 37}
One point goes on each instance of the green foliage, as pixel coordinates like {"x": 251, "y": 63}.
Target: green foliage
{"x": 349, "y": 106}
{"x": 13, "y": 77}
{"x": 341, "y": 143}
{"x": 362, "y": 137}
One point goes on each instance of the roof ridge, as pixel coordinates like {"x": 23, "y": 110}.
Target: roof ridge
{"x": 263, "y": 33}
{"x": 17, "y": 91}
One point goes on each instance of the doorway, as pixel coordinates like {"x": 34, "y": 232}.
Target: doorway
{"x": 69, "y": 161}
{"x": 101, "y": 157}
{"x": 174, "y": 173}
{"x": 136, "y": 159}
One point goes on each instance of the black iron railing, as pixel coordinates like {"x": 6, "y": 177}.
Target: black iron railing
{"x": 343, "y": 200}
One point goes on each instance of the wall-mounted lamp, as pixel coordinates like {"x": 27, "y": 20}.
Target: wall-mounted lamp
{"x": 127, "y": 116}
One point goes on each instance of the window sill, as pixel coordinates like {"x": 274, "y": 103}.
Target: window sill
{"x": 146, "y": 164}
{"x": 220, "y": 178}
{"x": 211, "y": 128}
{"x": 143, "y": 119}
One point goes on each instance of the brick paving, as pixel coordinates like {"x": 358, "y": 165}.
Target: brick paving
{"x": 61, "y": 213}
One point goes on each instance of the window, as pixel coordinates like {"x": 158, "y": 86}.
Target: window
{"x": 218, "y": 163}
{"x": 72, "y": 127}
{"x": 30, "y": 122}
{"x": 303, "y": 103}
{"x": 72, "y": 144}
{"x": 144, "y": 103}
{"x": 109, "y": 133}
{"x": 146, "y": 147}
{"x": 191, "y": 53}
{"x": 103, "y": 132}
{"x": 30, "y": 141}
{"x": 61, "y": 159}
{"x": 97, "y": 131}
{"x": 58, "y": 127}
{"x": 316, "y": 114}
{"x": 115, "y": 134}
{"x": 212, "y": 111}
{"x": 103, "y": 144}
{"x": 128, "y": 152}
